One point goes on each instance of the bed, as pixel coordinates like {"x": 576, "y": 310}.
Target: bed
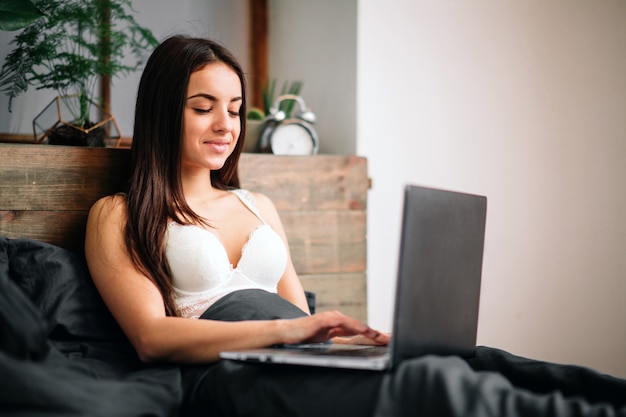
{"x": 61, "y": 352}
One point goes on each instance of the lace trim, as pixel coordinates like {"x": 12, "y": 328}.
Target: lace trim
{"x": 192, "y": 307}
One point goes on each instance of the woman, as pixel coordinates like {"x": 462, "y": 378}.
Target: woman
{"x": 185, "y": 243}
{"x": 173, "y": 245}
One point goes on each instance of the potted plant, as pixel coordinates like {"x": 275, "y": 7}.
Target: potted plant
{"x": 255, "y": 118}
{"x": 69, "y": 49}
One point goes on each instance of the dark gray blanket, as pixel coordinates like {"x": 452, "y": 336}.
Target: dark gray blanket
{"x": 62, "y": 354}
{"x": 493, "y": 382}
{"x": 496, "y": 383}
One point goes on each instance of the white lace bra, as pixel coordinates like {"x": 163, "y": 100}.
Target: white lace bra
{"x": 202, "y": 272}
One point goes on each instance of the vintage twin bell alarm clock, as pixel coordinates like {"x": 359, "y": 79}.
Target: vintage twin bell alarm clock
{"x": 293, "y": 136}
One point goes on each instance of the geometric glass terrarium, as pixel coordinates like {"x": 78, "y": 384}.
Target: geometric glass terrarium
{"x": 57, "y": 124}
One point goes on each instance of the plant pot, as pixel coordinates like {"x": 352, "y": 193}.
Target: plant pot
{"x": 56, "y": 125}
{"x": 253, "y": 132}
{"x": 67, "y": 134}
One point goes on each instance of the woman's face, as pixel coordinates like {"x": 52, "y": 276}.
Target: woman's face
{"x": 211, "y": 123}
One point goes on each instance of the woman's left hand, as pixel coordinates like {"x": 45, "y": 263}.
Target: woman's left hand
{"x": 381, "y": 340}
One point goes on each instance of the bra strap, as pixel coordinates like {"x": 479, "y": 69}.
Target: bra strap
{"x": 249, "y": 201}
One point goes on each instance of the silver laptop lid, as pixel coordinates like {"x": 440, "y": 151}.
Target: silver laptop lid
{"x": 439, "y": 273}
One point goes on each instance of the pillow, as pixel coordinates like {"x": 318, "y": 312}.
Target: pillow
{"x": 21, "y": 324}
{"x": 58, "y": 283}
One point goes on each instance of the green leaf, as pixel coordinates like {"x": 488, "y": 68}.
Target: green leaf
{"x": 17, "y": 14}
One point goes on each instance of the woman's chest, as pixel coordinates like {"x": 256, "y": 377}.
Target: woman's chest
{"x": 199, "y": 260}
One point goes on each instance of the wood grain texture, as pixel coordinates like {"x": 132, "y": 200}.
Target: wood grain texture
{"x": 58, "y": 178}
{"x": 320, "y": 182}
{"x": 46, "y": 192}
{"x": 343, "y": 292}
{"x": 258, "y": 34}
{"x": 61, "y": 228}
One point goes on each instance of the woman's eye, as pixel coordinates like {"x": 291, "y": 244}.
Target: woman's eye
{"x": 234, "y": 113}
{"x": 201, "y": 110}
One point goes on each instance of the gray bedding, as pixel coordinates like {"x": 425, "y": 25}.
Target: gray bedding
{"x": 62, "y": 354}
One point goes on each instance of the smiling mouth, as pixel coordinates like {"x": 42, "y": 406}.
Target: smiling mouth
{"x": 218, "y": 146}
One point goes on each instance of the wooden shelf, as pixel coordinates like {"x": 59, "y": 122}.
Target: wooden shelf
{"x": 16, "y": 138}
{"x": 28, "y": 139}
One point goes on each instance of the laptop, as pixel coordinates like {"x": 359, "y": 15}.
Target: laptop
{"x": 437, "y": 289}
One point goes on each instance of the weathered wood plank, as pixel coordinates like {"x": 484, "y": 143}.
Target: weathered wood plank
{"x": 60, "y": 228}
{"x": 321, "y": 182}
{"x": 326, "y": 242}
{"x": 40, "y": 177}
{"x": 344, "y": 292}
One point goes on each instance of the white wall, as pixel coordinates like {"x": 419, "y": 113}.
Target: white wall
{"x": 523, "y": 102}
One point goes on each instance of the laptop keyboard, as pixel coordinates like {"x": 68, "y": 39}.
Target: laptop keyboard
{"x": 340, "y": 349}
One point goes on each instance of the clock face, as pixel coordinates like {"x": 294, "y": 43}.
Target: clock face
{"x": 292, "y": 139}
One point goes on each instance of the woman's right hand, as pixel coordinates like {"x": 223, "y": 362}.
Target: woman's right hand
{"x": 327, "y": 325}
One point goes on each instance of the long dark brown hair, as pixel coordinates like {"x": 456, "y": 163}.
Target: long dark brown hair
{"x": 155, "y": 194}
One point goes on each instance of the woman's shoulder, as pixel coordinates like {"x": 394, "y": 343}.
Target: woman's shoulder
{"x": 113, "y": 202}
{"x": 109, "y": 207}
{"x": 265, "y": 208}
{"x": 257, "y": 199}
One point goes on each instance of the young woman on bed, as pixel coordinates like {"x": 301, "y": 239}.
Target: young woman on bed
{"x": 184, "y": 242}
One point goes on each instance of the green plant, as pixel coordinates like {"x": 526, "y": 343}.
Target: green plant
{"x": 269, "y": 91}
{"x": 74, "y": 44}
{"x": 17, "y": 14}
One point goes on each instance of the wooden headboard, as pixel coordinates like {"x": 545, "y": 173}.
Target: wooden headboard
{"x": 46, "y": 192}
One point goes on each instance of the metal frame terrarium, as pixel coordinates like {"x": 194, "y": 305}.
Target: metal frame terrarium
{"x": 56, "y": 125}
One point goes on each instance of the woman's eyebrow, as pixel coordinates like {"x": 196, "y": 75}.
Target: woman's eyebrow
{"x": 212, "y": 98}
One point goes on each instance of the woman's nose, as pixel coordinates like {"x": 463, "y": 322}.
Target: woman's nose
{"x": 223, "y": 122}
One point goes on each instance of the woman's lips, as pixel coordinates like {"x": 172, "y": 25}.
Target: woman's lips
{"x": 218, "y": 146}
